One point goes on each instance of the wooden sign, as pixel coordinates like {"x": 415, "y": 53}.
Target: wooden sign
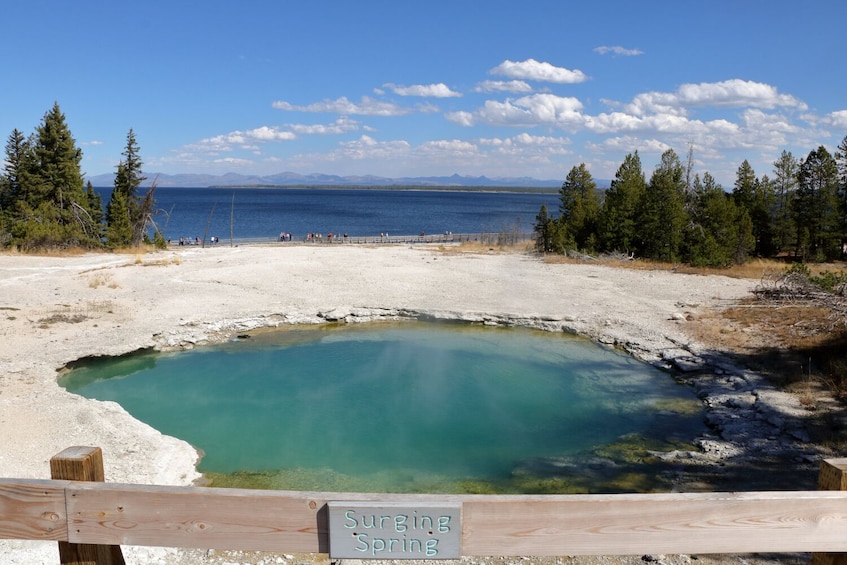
{"x": 389, "y": 530}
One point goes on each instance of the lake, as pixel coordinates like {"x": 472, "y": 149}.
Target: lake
{"x": 257, "y": 213}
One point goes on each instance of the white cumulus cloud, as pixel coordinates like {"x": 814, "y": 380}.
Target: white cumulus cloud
{"x": 538, "y": 71}
{"x": 755, "y": 119}
{"x": 266, "y": 133}
{"x": 245, "y": 139}
{"x": 619, "y": 122}
{"x": 341, "y": 125}
{"x": 628, "y": 144}
{"x": 439, "y": 90}
{"x": 367, "y": 107}
{"x": 517, "y": 86}
{"x": 736, "y": 93}
{"x": 366, "y": 147}
{"x": 733, "y": 93}
{"x": 527, "y": 145}
{"x": 536, "y": 109}
{"x": 618, "y": 50}
{"x": 466, "y": 119}
{"x": 837, "y": 119}
{"x": 233, "y": 161}
{"x": 452, "y": 146}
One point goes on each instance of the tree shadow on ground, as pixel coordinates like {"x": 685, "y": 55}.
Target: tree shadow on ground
{"x": 769, "y": 426}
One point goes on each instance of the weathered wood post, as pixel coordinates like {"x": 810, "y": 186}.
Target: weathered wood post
{"x": 832, "y": 476}
{"x": 83, "y": 464}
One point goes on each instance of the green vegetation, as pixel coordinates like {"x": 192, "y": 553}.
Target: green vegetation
{"x": 630, "y": 464}
{"x": 801, "y": 213}
{"x": 827, "y": 281}
{"x": 44, "y": 205}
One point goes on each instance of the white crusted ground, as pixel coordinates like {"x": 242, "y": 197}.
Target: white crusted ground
{"x": 55, "y": 310}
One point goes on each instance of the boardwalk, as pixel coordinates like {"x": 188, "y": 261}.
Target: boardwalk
{"x": 487, "y": 238}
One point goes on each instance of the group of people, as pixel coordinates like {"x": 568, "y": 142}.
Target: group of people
{"x": 310, "y": 238}
{"x": 314, "y": 236}
{"x": 196, "y": 240}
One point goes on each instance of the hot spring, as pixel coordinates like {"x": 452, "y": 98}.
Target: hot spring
{"x": 407, "y": 407}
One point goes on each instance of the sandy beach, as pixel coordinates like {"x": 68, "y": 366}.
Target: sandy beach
{"x": 54, "y": 310}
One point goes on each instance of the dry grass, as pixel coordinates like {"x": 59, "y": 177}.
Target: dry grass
{"x": 102, "y": 279}
{"x": 159, "y": 261}
{"x": 753, "y": 326}
{"x": 796, "y": 348}
{"x": 797, "y": 344}
{"x": 484, "y": 247}
{"x": 77, "y": 251}
{"x": 754, "y": 269}
{"x": 61, "y": 318}
{"x": 91, "y": 310}
{"x": 50, "y": 252}
{"x": 740, "y": 271}
{"x": 141, "y": 249}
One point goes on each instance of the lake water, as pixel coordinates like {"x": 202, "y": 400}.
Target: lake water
{"x": 408, "y": 407}
{"x": 266, "y": 212}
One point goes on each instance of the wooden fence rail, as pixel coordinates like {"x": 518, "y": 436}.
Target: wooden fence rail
{"x": 112, "y": 514}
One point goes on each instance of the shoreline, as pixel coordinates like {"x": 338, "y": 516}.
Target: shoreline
{"x": 57, "y": 310}
{"x": 389, "y": 187}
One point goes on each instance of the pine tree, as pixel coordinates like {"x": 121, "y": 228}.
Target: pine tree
{"x": 13, "y": 185}
{"x": 661, "y": 213}
{"x": 579, "y": 208}
{"x": 159, "y": 241}
{"x": 745, "y": 186}
{"x": 841, "y": 162}
{"x": 544, "y": 226}
{"x": 119, "y": 227}
{"x": 95, "y": 207}
{"x": 617, "y": 229}
{"x": 761, "y": 216}
{"x": 13, "y": 181}
{"x": 757, "y": 198}
{"x": 720, "y": 231}
{"x": 127, "y": 181}
{"x": 54, "y": 209}
{"x": 95, "y": 203}
{"x": 57, "y": 160}
{"x": 816, "y": 207}
{"x": 784, "y": 185}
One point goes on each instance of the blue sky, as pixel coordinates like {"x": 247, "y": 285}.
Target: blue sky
{"x": 400, "y": 88}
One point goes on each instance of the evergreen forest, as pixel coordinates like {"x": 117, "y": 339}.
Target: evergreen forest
{"x": 45, "y": 204}
{"x": 800, "y": 212}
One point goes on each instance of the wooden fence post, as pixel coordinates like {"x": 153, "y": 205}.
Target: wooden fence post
{"x": 83, "y": 464}
{"x": 832, "y": 476}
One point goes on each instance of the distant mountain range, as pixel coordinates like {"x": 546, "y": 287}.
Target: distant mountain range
{"x": 295, "y": 179}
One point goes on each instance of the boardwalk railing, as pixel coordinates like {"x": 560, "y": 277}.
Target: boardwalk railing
{"x": 486, "y": 238}
{"x": 103, "y": 514}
